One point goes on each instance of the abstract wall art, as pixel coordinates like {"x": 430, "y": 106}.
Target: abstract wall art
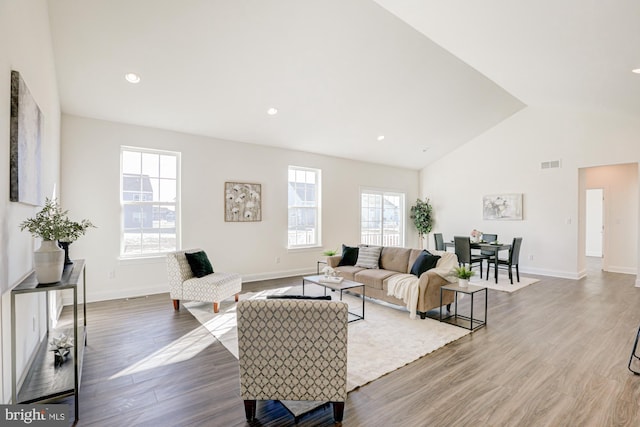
{"x": 502, "y": 207}
{"x": 25, "y": 142}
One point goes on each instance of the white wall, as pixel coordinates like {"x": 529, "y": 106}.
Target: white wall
{"x": 620, "y": 185}
{"x": 90, "y": 185}
{"x": 25, "y": 46}
{"x": 506, "y": 159}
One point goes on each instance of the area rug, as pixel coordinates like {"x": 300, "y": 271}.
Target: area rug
{"x": 384, "y": 341}
{"x": 503, "y": 284}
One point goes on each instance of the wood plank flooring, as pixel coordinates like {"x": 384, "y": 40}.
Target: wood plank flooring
{"x": 553, "y": 354}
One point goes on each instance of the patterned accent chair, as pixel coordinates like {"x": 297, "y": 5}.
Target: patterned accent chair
{"x": 183, "y": 285}
{"x": 292, "y": 350}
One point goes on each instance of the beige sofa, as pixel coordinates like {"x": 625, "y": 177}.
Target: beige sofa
{"x": 394, "y": 261}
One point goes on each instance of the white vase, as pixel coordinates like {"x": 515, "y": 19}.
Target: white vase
{"x": 48, "y": 260}
{"x": 463, "y": 283}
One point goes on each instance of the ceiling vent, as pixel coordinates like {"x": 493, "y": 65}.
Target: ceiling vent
{"x": 553, "y": 164}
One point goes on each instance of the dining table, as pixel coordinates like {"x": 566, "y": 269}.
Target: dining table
{"x": 496, "y": 247}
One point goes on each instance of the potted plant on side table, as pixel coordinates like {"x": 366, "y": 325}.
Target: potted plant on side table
{"x": 52, "y": 225}
{"x": 464, "y": 274}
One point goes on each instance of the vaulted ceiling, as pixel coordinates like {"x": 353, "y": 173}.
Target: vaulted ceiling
{"x": 428, "y": 75}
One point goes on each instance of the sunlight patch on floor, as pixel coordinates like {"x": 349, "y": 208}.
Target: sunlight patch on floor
{"x": 184, "y": 348}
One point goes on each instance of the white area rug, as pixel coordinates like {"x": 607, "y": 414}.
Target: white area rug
{"x": 503, "y": 284}
{"x": 381, "y": 343}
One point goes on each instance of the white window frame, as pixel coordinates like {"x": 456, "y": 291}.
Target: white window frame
{"x": 318, "y": 208}
{"x": 383, "y": 241}
{"x": 138, "y": 202}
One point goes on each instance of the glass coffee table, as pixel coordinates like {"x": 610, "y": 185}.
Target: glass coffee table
{"x": 344, "y": 285}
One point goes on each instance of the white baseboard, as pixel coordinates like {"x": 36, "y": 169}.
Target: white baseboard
{"x": 105, "y": 295}
{"x": 619, "y": 269}
{"x": 160, "y": 288}
{"x": 277, "y": 274}
{"x": 554, "y": 273}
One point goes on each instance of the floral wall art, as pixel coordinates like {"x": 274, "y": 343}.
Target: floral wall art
{"x": 502, "y": 207}
{"x": 242, "y": 202}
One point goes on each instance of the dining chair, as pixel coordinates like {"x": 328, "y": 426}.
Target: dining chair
{"x": 512, "y": 261}
{"x": 489, "y": 238}
{"x": 463, "y": 251}
{"x": 439, "y": 242}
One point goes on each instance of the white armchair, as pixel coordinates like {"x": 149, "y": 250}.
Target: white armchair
{"x": 292, "y": 349}
{"x": 183, "y": 285}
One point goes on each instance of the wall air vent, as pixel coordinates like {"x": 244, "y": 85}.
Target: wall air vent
{"x": 551, "y": 164}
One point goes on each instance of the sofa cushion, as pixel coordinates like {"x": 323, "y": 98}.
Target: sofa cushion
{"x": 369, "y": 256}
{"x": 199, "y": 263}
{"x": 373, "y": 277}
{"x": 348, "y": 271}
{"x": 426, "y": 261}
{"x": 349, "y": 255}
{"x": 394, "y": 259}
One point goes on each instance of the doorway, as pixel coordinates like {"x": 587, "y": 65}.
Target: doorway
{"x": 614, "y": 235}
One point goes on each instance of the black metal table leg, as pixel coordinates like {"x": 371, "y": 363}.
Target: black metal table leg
{"x": 633, "y": 353}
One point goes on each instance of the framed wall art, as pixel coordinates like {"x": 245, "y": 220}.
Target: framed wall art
{"x": 25, "y": 142}
{"x": 242, "y": 202}
{"x": 502, "y": 207}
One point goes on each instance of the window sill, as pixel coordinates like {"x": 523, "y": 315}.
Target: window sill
{"x": 143, "y": 259}
{"x": 305, "y": 248}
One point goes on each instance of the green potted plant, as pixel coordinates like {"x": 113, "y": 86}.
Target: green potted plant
{"x": 330, "y": 252}
{"x": 463, "y": 274}
{"x": 422, "y": 216}
{"x": 52, "y": 225}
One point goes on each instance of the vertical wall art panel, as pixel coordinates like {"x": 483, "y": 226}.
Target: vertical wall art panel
{"x": 242, "y": 202}
{"x": 502, "y": 207}
{"x": 25, "y": 141}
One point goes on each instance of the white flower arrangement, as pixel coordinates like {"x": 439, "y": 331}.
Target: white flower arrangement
{"x": 329, "y": 271}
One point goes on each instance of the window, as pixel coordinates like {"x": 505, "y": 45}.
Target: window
{"x": 304, "y": 207}
{"x": 381, "y": 218}
{"x": 149, "y": 200}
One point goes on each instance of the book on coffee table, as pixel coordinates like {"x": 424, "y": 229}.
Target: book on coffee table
{"x": 330, "y": 279}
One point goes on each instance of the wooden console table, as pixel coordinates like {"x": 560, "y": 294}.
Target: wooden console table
{"x": 44, "y": 381}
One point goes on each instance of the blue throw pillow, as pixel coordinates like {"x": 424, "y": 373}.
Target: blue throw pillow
{"x": 425, "y": 262}
{"x": 199, "y": 263}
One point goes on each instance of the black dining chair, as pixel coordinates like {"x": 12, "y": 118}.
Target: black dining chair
{"x": 463, "y": 251}
{"x": 439, "y": 242}
{"x": 488, "y": 238}
{"x": 512, "y": 261}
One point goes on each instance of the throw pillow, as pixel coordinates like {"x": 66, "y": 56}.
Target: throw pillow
{"x": 349, "y": 255}
{"x": 199, "y": 263}
{"x": 425, "y": 261}
{"x": 368, "y": 256}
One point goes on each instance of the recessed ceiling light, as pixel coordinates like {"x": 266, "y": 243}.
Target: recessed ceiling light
{"x": 636, "y": 70}
{"x": 132, "y": 78}
{"x": 272, "y": 111}
{"x": 380, "y": 137}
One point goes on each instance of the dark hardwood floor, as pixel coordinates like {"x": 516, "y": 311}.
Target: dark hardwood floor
{"x": 553, "y": 354}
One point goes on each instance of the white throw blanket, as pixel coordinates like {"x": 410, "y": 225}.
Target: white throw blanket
{"x": 405, "y": 286}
